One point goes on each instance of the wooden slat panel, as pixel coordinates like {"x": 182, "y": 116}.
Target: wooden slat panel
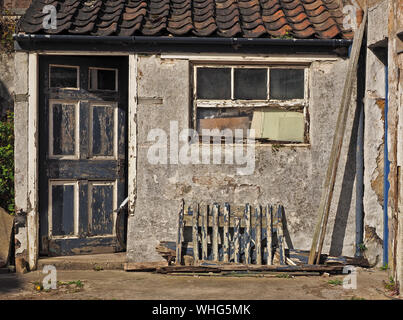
{"x": 269, "y": 233}
{"x": 195, "y": 234}
{"x": 204, "y": 230}
{"x": 215, "y": 232}
{"x": 236, "y": 240}
{"x": 280, "y": 234}
{"x": 247, "y": 236}
{"x": 249, "y": 243}
{"x": 226, "y": 234}
{"x": 188, "y": 220}
{"x": 258, "y": 246}
{"x": 180, "y": 234}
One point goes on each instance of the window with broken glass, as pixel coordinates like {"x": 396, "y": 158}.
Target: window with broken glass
{"x": 272, "y": 100}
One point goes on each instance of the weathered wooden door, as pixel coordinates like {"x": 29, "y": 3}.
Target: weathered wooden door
{"x": 83, "y": 104}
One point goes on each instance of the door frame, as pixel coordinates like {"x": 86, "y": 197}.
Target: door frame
{"x": 32, "y": 220}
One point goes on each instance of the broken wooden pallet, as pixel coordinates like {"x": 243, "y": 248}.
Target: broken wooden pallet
{"x": 229, "y": 233}
{"x": 297, "y": 257}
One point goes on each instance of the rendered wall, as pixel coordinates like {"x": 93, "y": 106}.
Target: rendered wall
{"x": 290, "y": 175}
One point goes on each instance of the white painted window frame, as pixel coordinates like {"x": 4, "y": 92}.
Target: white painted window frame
{"x": 96, "y": 80}
{"x": 286, "y": 105}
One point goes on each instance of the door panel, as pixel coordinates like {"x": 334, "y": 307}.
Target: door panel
{"x": 62, "y": 208}
{"x": 102, "y": 204}
{"x": 83, "y": 152}
{"x": 63, "y": 129}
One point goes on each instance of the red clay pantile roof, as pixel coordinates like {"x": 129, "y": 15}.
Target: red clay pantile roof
{"x": 203, "y": 18}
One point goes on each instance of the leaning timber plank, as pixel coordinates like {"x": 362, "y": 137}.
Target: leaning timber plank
{"x": 195, "y": 235}
{"x": 328, "y": 187}
{"x": 226, "y": 234}
{"x": 144, "y": 266}
{"x": 180, "y": 234}
{"x": 247, "y": 235}
{"x": 215, "y": 232}
{"x": 258, "y": 246}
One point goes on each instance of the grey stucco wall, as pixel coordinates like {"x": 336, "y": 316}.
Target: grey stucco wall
{"x": 290, "y": 175}
{"x": 21, "y": 156}
{"x": 374, "y": 132}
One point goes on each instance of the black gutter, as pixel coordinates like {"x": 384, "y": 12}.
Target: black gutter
{"x": 182, "y": 40}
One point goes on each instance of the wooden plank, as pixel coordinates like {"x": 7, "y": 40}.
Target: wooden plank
{"x": 144, "y": 266}
{"x": 214, "y": 238}
{"x": 280, "y": 235}
{"x": 195, "y": 234}
{"x": 247, "y": 236}
{"x": 226, "y": 234}
{"x": 236, "y": 240}
{"x": 249, "y": 274}
{"x": 180, "y": 234}
{"x": 204, "y": 232}
{"x": 216, "y": 268}
{"x": 327, "y": 191}
{"x": 171, "y": 269}
{"x": 269, "y": 235}
{"x": 258, "y": 245}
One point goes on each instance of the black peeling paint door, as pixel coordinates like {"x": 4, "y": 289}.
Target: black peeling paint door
{"x": 83, "y": 139}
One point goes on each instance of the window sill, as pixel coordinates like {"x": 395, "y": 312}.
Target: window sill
{"x": 263, "y": 144}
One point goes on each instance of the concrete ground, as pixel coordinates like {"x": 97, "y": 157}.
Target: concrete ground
{"x": 117, "y": 284}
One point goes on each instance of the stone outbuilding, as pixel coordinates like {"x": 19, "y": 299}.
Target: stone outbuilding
{"x": 107, "y": 92}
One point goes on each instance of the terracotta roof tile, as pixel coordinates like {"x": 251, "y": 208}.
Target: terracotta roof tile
{"x": 223, "y": 18}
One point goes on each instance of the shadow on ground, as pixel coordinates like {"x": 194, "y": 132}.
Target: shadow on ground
{"x": 10, "y": 282}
